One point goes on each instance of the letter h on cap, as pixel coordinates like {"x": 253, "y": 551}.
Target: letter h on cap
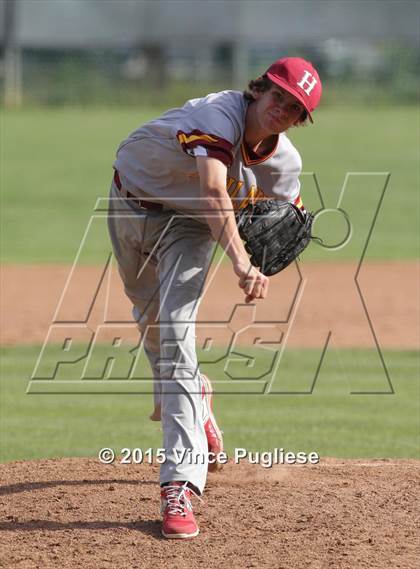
{"x": 306, "y": 84}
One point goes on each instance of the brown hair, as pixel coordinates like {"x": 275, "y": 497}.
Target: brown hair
{"x": 262, "y": 84}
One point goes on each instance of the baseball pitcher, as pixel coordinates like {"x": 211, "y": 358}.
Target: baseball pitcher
{"x": 219, "y": 169}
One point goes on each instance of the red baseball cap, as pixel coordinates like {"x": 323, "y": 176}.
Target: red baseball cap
{"x": 298, "y": 77}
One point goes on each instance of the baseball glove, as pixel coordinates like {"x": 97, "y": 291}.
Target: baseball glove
{"x": 274, "y": 233}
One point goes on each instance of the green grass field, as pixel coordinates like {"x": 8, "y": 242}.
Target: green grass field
{"x": 330, "y": 421}
{"x": 56, "y": 163}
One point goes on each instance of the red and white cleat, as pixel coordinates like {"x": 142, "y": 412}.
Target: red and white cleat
{"x": 176, "y": 508}
{"x": 213, "y": 433}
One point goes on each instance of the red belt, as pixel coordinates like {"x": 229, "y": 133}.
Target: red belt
{"x": 141, "y": 203}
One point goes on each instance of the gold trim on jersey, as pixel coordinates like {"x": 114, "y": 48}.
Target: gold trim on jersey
{"x": 254, "y": 194}
{"x": 233, "y": 188}
{"x": 233, "y": 192}
{"x": 184, "y": 139}
{"x": 249, "y": 161}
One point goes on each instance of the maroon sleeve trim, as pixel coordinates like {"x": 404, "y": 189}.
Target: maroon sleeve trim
{"x": 216, "y": 147}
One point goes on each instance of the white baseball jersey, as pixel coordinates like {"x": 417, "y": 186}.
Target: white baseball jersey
{"x": 158, "y": 159}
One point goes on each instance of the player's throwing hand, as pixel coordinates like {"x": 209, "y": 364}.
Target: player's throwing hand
{"x": 253, "y": 283}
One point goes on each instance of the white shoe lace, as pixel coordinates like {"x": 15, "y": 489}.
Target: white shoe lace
{"x": 174, "y": 494}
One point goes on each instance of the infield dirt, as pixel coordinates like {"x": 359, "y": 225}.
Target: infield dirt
{"x": 327, "y": 299}
{"x": 340, "y": 514}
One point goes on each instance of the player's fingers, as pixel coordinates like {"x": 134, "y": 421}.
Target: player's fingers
{"x": 252, "y": 288}
{"x": 256, "y": 293}
{"x": 249, "y": 298}
{"x": 245, "y": 279}
{"x": 264, "y": 291}
{"x": 252, "y": 282}
{"x": 249, "y": 284}
{"x": 260, "y": 287}
{"x": 257, "y": 290}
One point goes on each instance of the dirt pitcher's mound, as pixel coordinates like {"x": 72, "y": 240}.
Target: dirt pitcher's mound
{"x": 339, "y": 514}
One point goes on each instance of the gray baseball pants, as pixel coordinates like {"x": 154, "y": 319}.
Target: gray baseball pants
{"x": 163, "y": 258}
